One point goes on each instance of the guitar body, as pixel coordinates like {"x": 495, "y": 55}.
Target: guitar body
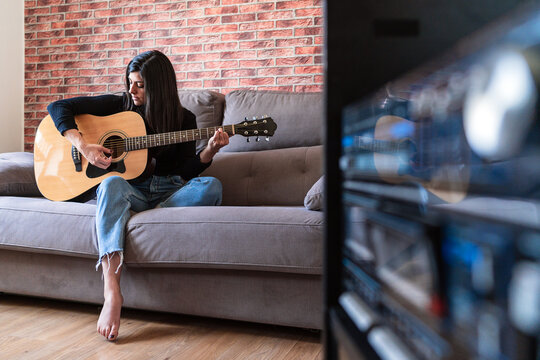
{"x": 56, "y": 174}
{"x": 447, "y": 181}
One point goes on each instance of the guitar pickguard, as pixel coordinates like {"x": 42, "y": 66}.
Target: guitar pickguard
{"x": 94, "y": 172}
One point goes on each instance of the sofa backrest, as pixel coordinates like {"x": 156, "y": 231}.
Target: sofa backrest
{"x": 280, "y": 177}
{"x": 279, "y": 172}
{"x": 299, "y": 118}
{"x": 207, "y": 106}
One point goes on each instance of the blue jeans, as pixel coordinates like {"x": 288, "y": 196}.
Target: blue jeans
{"x": 116, "y": 197}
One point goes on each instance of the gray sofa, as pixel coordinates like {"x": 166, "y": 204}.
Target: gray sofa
{"x": 258, "y": 257}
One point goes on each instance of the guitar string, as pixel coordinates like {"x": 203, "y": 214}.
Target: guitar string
{"x": 163, "y": 136}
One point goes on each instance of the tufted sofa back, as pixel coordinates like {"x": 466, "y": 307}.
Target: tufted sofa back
{"x": 279, "y": 172}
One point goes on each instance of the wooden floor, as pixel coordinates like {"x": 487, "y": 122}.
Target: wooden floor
{"x": 33, "y": 328}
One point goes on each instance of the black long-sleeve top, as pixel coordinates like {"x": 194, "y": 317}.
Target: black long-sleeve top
{"x": 178, "y": 159}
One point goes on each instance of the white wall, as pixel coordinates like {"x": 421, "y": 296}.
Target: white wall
{"x": 11, "y": 75}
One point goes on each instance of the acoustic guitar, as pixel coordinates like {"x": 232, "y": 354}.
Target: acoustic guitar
{"x": 393, "y": 155}
{"x": 62, "y": 173}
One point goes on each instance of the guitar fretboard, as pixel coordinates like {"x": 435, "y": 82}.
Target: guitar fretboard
{"x": 175, "y": 137}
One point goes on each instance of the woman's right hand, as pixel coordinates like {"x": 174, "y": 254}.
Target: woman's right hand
{"x": 96, "y": 155}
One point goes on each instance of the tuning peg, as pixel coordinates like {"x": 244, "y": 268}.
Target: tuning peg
{"x": 247, "y": 139}
{"x": 267, "y": 138}
{"x": 257, "y": 139}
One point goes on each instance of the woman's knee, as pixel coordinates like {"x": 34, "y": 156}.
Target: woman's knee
{"x": 112, "y": 184}
{"x": 212, "y": 189}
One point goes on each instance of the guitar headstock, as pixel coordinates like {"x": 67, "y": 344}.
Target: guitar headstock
{"x": 256, "y": 126}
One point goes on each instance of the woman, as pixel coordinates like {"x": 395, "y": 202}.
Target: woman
{"x": 151, "y": 91}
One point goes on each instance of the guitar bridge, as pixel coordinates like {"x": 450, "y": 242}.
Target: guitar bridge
{"x": 76, "y": 156}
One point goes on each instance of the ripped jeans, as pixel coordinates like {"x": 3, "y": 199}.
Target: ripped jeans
{"x": 116, "y": 197}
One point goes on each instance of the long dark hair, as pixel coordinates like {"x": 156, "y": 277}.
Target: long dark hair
{"x": 162, "y": 109}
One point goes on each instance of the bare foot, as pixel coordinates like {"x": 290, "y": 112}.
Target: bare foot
{"x": 109, "y": 320}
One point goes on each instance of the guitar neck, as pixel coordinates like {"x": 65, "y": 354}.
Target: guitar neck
{"x": 174, "y": 137}
{"x": 367, "y": 143}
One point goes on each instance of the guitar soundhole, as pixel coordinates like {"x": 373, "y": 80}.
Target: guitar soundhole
{"x": 117, "y": 145}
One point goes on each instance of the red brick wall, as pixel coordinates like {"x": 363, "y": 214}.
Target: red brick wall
{"x": 81, "y": 47}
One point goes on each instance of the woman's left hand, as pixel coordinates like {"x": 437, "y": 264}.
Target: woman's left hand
{"x": 216, "y": 142}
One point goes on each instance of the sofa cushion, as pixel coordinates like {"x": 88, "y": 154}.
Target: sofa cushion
{"x": 272, "y": 177}
{"x": 283, "y": 239}
{"x": 207, "y": 107}
{"x": 314, "y": 198}
{"x": 299, "y": 118}
{"x": 44, "y": 226}
{"x": 17, "y": 174}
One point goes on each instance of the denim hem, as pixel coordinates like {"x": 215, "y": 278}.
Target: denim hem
{"x": 109, "y": 255}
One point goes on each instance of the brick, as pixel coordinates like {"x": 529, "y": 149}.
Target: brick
{"x": 275, "y": 71}
{"x": 221, "y": 64}
{"x": 93, "y": 22}
{"x": 148, "y": 34}
{"x": 308, "y": 50}
{"x": 256, "y": 8}
{"x": 65, "y": 24}
{"x": 308, "y": 69}
{"x": 246, "y": 54}
{"x": 185, "y": 85}
{"x": 275, "y": 53}
{"x": 94, "y": 5}
{"x": 50, "y": 18}
{"x": 238, "y": 36}
{"x": 218, "y": 83}
{"x": 94, "y": 55}
{"x": 202, "y": 39}
{"x": 294, "y": 4}
{"x": 238, "y": 18}
{"x": 308, "y": 31}
{"x": 221, "y": 46}
{"x": 308, "y": 12}
{"x": 294, "y": 80}
{"x": 257, "y": 81}
{"x": 189, "y": 49}
{"x": 259, "y": 25}
{"x": 93, "y": 89}
{"x": 138, "y": 44}
{"x": 49, "y": 66}
{"x": 221, "y": 10}
{"x": 171, "y": 7}
{"x": 220, "y": 28}
{"x": 138, "y": 26}
{"x": 93, "y": 72}
{"x": 171, "y": 41}
{"x": 298, "y": 60}
{"x": 203, "y": 3}
{"x": 203, "y": 21}
{"x": 274, "y": 34}
{"x": 107, "y": 13}
{"x": 65, "y": 8}
{"x": 203, "y": 57}
{"x": 275, "y": 15}
{"x": 235, "y": 73}
{"x": 202, "y": 74}
{"x": 294, "y": 41}
{"x": 78, "y": 32}
{"x": 117, "y": 36}
{"x": 256, "y": 63}
{"x": 309, "y": 88}
{"x": 78, "y": 15}
{"x": 140, "y": 10}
